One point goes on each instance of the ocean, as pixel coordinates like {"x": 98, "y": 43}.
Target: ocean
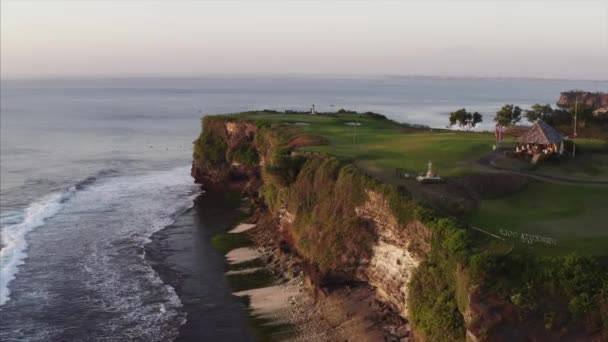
{"x": 91, "y": 169}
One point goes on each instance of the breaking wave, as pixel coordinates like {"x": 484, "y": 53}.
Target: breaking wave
{"x": 88, "y": 256}
{"x": 15, "y": 225}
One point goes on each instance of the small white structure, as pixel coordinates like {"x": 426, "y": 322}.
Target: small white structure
{"x": 600, "y": 111}
{"x": 312, "y": 110}
{"x": 429, "y": 177}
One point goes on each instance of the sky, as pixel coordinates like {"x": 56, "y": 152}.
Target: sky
{"x": 500, "y": 38}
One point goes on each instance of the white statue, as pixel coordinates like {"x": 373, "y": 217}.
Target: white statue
{"x": 429, "y": 177}
{"x": 429, "y": 172}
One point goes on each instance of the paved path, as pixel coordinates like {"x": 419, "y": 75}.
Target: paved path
{"x": 488, "y": 160}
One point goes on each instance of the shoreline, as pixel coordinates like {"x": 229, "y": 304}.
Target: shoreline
{"x": 236, "y": 284}
{"x": 184, "y": 259}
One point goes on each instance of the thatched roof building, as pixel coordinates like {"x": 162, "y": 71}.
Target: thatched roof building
{"x": 540, "y": 134}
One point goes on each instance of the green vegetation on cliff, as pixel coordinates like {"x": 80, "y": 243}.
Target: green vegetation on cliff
{"x": 323, "y": 198}
{"x": 322, "y": 185}
{"x": 210, "y": 148}
{"x": 246, "y": 155}
{"x": 434, "y": 307}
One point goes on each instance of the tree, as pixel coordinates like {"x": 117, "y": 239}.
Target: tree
{"x": 465, "y": 119}
{"x": 508, "y": 115}
{"x": 538, "y": 111}
{"x": 477, "y": 118}
{"x": 583, "y": 112}
{"x": 559, "y": 117}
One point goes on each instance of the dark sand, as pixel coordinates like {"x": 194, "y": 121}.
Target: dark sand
{"x": 185, "y": 259}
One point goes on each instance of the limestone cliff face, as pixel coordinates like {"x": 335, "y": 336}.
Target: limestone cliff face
{"x": 396, "y": 253}
{"x": 389, "y": 258}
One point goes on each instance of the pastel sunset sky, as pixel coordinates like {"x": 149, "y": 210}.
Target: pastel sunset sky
{"x": 547, "y": 39}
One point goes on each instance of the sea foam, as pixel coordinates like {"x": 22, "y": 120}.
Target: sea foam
{"x": 15, "y": 226}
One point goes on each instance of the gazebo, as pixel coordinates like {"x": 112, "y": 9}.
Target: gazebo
{"x": 540, "y": 139}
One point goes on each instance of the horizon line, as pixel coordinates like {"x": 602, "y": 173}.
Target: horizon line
{"x": 295, "y": 75}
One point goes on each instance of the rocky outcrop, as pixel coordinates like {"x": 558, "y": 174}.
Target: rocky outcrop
{"x": 386, "y": 261}
{"x": 595, "y": 101}
{"x": 396, "y": 253}
{"x": 228, "y": 174}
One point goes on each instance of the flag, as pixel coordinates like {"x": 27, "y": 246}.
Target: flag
{"x": 499, "y": 132}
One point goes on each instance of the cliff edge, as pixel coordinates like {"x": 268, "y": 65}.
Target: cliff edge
{"x": 451, "y": 283}
{"x": 594, "y": 101}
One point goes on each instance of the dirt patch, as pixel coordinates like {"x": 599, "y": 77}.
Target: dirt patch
{"x": 492, "y": 185}
{"x": 306, "y": 140}
{"x": 357, "y": 314}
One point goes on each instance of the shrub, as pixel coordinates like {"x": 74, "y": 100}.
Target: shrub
{"x": 432, "y": 303}
{"x": 401, "y": 204}
{"x": 246, "y": 155}
{"x": 432, "y": 293}
{"x": 270, "y": 194}
{"x": 374, "y": 116}
{"x": 479, "y": 265}
{"x": 327, "y": 230}
{"x": 210, "y": 148}
{"x": 285, "y": 168}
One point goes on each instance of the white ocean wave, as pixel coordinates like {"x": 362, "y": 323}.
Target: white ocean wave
{"x": 15, "y": 227}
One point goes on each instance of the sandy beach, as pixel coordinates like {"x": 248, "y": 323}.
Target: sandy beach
{"x": 243, "y": 227}
{"x": 242, "y": 254}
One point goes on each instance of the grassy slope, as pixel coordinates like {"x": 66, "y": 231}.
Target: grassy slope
{"x": 574, "y": 215}
{"x": 585, "y": 166}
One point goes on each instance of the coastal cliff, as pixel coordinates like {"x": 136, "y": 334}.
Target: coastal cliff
{"x": 219, "y": 141}
{"x": 594, "y": 101}
{"x": 345, "y": 228}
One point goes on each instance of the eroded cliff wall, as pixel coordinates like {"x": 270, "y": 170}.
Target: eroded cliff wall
{"x": 225, "y": 156}
{"x": 348, "y": 227}
{"x": 396, "y": 252}
{"x": 382, "y": 251}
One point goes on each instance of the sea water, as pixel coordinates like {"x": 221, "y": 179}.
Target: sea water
{"x": 89, "y": 169}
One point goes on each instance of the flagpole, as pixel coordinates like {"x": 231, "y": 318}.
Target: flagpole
{"x": 354, "y": 133}
{"x": 574, "y": 135}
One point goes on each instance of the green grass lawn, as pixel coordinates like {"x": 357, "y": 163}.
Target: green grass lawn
{"x": 381, "y": 146}
{"x": 585, "y": 166}
{"x": 592, "y": 145}
{"x": 573, "y": 215}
